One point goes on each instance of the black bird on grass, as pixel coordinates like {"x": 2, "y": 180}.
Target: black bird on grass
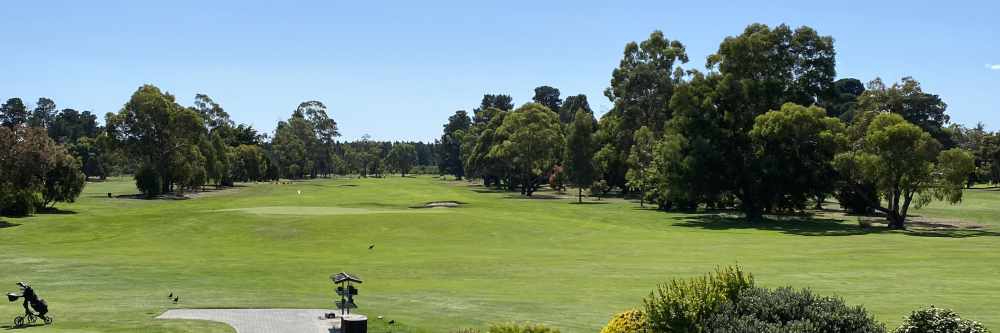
{"x": 171, "y": 295}
{"x": 176, "y": 299}
{"x": 392, "y": 322}
{"x": 371, "y": 246}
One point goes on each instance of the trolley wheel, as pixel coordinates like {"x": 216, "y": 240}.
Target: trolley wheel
{"x": 32, "y": 319}
{"x": 18, "y": 321}
{"x": 47, "y": 320}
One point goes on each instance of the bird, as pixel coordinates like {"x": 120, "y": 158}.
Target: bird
{"x": 176, "y": 299}
{"x": 392, "y": 322}
{"x": 171, "y": 295}
{"x": 371, "y": 246}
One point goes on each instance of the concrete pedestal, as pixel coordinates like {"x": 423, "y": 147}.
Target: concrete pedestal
{"x": 354, "y": 323}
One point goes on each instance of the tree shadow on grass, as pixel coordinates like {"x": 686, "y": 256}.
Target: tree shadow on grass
{"x": 54, "y": 211}
{"x": 5, "y": 224}
{"x": 489, "y": 190}
{"x": 816, "y": 226}
{"x": 533, "y": 196}
{"x": 39, "y": 211}
{"x": 589, "y": 203}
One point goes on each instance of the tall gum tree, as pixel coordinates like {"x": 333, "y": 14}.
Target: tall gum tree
{"x": 580, "y": 151}
{"x": 531, "y": 138}
{"x": 641, "y": 88}
{"x": 155, "y": 129}
{"x": 454, "y": 135}
{"x": 762, "y": 69}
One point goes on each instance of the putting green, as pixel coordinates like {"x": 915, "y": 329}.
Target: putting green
{"x": 305, "y": 210}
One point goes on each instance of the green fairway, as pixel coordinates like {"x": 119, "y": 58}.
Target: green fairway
{"x": 107, "y": 265}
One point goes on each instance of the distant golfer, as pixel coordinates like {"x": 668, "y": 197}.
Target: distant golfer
{"x": 300, "y": 192}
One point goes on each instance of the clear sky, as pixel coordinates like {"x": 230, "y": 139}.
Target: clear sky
{"x": 396, "y": 70}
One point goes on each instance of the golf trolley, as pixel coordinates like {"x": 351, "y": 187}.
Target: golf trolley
{"x": 29, "y": 318}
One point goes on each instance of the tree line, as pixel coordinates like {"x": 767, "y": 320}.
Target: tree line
{"x": 767, "y": 127}
{"x": 47, "y": 154}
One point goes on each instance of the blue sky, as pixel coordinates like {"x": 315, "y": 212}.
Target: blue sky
{"x": 396, "y": 70}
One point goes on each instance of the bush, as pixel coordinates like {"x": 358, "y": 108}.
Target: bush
{"x": 789, "y": 310}
{"x": 599, "y": 188}
{"x": 148, "y": 181}
{"x": 631, "y": 321}
{"x": 937, "y": 320}
{"x": 521, "y": 328}
{"x": 20, "y": 202}
{"x": 684, "y": 305}
{"x": 64, "y": 182}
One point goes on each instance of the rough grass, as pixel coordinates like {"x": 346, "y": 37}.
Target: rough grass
{"x": 106, "y": 265}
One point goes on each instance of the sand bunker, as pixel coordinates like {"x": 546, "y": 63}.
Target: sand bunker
{"x": 440, "y": 204}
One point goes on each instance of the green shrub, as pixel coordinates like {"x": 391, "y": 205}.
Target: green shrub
{"x": 521, "y": 328}
{"x": 937, "y": 320}
{"x": 148, "y": 181}
{"x": 631, "y": 321}
{"x": 19, "y": 202}
{"x": 684, "y": 305}
{"x": 64, "y": 181}
{"x": 789, "y": 310}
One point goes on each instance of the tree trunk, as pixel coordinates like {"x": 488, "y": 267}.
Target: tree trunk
{"x": 749, "y": 206}
{"x": 579, "y": 195}
{"x": 895, "y": 220}
{"x": 753, "y": 215}
{"x": 907, "y": 198}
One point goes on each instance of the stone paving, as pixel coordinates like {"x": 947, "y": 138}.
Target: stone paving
{"x": 262, "y": 320}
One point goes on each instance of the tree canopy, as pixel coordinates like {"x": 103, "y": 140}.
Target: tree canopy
{"x": 580, "y": 150}
{"x": 904, "y": 163}
{"x": 531, "y": 138}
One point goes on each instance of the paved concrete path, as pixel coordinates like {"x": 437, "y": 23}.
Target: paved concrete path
{"x": 261, "y": 320}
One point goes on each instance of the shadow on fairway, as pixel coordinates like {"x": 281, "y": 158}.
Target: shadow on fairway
{"x": 9, "y": 327}
{"x": 806, "y": 226}
{"x": 588, "y": 203}
{"x": 54, "y": 211}
{"x": 533, "y": 196}
{"x": 488, "y": 190}
{"x": 40, "y": 211}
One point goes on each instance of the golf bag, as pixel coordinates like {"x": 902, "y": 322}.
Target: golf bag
{"x": 40, "y": 306}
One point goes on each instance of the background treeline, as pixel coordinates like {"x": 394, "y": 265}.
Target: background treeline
{"x": 766, "y": 127}
{"x": 47, "y": 154}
